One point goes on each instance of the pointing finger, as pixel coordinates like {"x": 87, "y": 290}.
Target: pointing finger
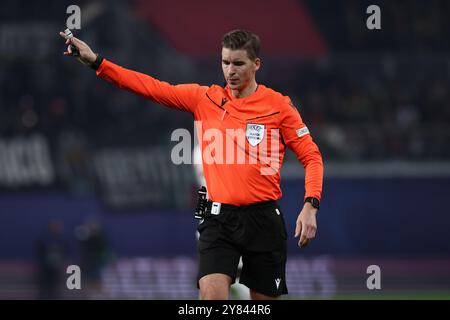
{"x": 63, "y": 35}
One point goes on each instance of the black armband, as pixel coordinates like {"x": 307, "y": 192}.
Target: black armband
{"x": 96, "y": 64}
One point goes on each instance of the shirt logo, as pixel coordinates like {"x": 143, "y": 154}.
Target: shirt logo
{"x": 277, "y": 282}
{"x": 302, "y": 131}
{"x": 254, "y": 133}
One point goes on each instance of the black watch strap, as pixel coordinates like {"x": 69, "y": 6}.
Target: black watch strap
{"x": 314, "y": 202}
{"x": 96, "y": 64}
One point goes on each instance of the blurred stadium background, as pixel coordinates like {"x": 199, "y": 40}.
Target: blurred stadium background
{"x": 85, "y": 171}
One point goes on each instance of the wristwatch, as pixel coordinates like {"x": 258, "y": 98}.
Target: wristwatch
{"x": 314, "y": 202}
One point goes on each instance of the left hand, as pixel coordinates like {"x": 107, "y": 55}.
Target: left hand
{"x": 306, "y": 225}
{"x": 87, "y": 56}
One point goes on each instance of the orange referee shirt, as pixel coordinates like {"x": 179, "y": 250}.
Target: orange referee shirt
{"x": 243, "y": 140}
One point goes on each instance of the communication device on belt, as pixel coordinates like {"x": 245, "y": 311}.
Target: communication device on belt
{"x": 200, "y": 211}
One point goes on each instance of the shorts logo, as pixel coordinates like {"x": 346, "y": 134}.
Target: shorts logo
{"x": 302, "y": 131}
{"x": 254, "y": 133}
{"x": 277, "y": 282}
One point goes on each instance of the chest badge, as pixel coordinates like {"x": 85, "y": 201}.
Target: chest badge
{"x": 254, "y": 133}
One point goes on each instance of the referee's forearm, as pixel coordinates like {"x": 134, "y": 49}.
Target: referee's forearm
{"x": 314, "y": 178}
{"x": 312, "y": 161}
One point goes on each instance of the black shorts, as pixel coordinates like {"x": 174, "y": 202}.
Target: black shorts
{"x": 257, "y": 233}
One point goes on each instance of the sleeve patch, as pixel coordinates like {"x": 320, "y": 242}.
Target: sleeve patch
{"x": 302, "y": 131}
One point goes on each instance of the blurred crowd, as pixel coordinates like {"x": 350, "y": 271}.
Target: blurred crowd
{"x": 407, "y": 26}
{"x": 54, "y": 253}
{"x": 394, "y": 109}
{"x": 378, "y": 95}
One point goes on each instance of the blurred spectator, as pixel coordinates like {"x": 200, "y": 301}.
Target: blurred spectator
{"x": 95, "y": 254}
{"x": 51, "y": 254}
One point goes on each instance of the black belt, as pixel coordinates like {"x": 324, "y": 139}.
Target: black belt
{"x": 216, "y": 208}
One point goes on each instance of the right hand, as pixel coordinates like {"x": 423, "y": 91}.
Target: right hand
{"x": 306, "y": 225}
{"x": 87, "y": 56}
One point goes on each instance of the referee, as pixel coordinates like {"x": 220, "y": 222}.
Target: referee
{"x": 242, "y": 218}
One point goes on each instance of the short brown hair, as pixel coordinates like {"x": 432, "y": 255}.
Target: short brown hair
{"x": 242, "y": 39}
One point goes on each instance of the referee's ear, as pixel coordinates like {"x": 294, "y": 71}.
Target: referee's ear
{"x": 257, "y": 63}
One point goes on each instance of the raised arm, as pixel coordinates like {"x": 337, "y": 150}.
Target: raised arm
{"x": 183, "y": 97}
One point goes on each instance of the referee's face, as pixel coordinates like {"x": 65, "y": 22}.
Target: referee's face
{"x": 238, "y": 69}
